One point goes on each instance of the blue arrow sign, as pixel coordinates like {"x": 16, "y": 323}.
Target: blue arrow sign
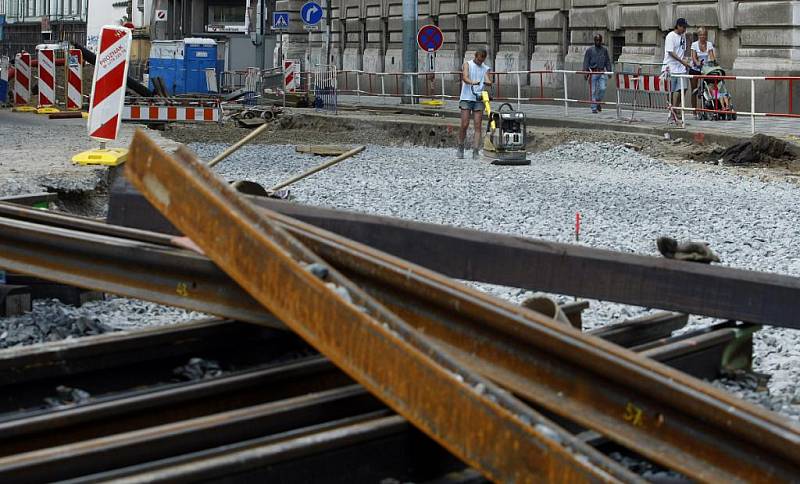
{"x": 280, "y": 20}
{"x": 311, "y": 13}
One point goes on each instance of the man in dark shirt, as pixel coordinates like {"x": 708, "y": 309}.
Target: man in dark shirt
{"x": 597, "y": 59}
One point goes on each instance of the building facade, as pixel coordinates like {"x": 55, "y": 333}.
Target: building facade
{"x": 32, "y": 22}
{"x": 753, "y": 37}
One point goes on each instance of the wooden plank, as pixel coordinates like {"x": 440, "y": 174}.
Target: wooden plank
{"x": 652, "y": 282}
{"x": 322, "y": 150}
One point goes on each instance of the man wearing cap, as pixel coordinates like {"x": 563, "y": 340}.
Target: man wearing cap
{"x": 674, "y": 53}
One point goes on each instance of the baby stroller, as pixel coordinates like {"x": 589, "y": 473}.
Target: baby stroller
{"x": 712, "y": 94}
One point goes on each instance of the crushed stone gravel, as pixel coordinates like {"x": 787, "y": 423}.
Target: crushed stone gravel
{"x": 626, "y": 200}
{"x": 51, "y": 320}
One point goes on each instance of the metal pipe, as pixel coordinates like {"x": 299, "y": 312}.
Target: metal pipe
{"x": 321, "y": 167}
{"x": 753, "y": 106}
{"x": 235, "y": 147}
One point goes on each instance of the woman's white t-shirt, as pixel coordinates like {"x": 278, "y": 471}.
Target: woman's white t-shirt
{"x": 702, "y": 56}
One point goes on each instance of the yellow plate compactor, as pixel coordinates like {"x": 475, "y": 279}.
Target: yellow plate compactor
{"x": 504, "y": 143}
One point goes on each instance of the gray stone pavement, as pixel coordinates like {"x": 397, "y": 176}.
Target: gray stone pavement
{"x": 785, "y": 128}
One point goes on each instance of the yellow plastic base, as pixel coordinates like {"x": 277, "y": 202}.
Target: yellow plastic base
{"x": 435, "y": 103}
{"x": 105, "y": 157}
{"x": 48, "y": 110}
{"x": 85, "y": 115}
{"x": 24, "y": 109}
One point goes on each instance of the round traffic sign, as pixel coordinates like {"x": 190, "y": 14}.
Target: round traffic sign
{"x": 430, "y": 38}
{"x": 311, "y": 13}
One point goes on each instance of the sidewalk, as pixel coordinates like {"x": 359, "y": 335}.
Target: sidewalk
{"x": 784, "y": 128}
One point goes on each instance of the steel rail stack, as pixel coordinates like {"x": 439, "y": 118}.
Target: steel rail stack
{"x": 400, "y": 323}
{"x": 506, "y": 390}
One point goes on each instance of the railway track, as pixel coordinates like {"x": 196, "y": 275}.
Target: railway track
{"x": 294, "y": 404}
{"x": 277, "y": 403}
{"x": 501, "y": 388}
{"x": 419, "y": 326}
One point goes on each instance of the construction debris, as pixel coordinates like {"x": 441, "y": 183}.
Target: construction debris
{"x": 687, "y": 250}
{"x": 760, "y": 149}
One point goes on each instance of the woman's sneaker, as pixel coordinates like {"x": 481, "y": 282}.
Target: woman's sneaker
{"x": 460, "y": 153}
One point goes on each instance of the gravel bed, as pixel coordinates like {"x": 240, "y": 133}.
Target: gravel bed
{"x": 51, "y": 320}
{"x": 626, "y": 200}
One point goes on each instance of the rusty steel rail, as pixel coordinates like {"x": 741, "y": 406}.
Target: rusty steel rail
{"x": 491, "y": 431}
{"x": 668, "y": 417}
{"x": 166, "y": 275}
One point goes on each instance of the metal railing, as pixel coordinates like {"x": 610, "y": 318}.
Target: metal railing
{"x": 561, "y": 87}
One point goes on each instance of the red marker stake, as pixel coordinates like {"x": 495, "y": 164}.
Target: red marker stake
{"x": 577, "y": 226}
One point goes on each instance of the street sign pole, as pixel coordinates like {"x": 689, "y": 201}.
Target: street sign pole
{"x": 410, "y": 10}
{"x": 328, "y": 22}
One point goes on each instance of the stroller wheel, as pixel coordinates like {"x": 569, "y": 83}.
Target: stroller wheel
{"x": 733, "y": 116}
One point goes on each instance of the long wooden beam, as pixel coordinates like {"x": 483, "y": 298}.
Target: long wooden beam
{"x": 515, "y": 261}
{"x": 653, "y": 282}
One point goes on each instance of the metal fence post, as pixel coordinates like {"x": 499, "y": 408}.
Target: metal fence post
{"x": 358, "y": 86}
{"x": 383, "y": 85}
{"x": 683, "y": 102}
{"x": 443, "y": 90}
{"x": 519, "y": 92}
{"x": 566, "y": 96}
{"x": 752, "y": 106}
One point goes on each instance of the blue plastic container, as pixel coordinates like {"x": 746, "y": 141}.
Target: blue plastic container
{"x": 182, "y": 64}
{"x": 199, "y": 55}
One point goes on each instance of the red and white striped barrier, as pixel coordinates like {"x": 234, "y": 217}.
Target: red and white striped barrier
{"x": 108, "y": 89}
{"x": 74, "y": 79}
{"x": 145, "y": 112}
{"x": 291, "y": 75}
{"x": 22, "y": 79}
{"x": 642, "y": 82}
{"x": 47, "y": 77}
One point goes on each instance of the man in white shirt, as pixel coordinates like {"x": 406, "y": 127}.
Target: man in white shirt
{"x": 674, "y": 53}
{"x": 474, "y": 76}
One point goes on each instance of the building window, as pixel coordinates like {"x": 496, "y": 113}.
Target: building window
{"x": 227, "y": 16}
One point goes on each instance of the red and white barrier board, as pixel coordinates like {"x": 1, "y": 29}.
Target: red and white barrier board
{"x": 22, "y": 79}
{"x": 170, "y": 113}
{"x": 291, "y": 75}
{"x": 74, "y": 79}
{"x": 108, "y": 89}
{"x": 642, "y": 82}
{"x": 47, "y": 77}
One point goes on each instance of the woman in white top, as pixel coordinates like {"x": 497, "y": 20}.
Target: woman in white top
{"x": 703, "y": 52}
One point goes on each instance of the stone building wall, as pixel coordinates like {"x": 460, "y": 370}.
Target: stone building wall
{"x": 753, "y": 37}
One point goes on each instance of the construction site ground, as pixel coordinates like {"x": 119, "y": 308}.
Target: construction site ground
{"x": 632, "y": 183}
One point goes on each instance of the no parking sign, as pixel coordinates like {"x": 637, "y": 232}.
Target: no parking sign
{"x": 430, "y": 38}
